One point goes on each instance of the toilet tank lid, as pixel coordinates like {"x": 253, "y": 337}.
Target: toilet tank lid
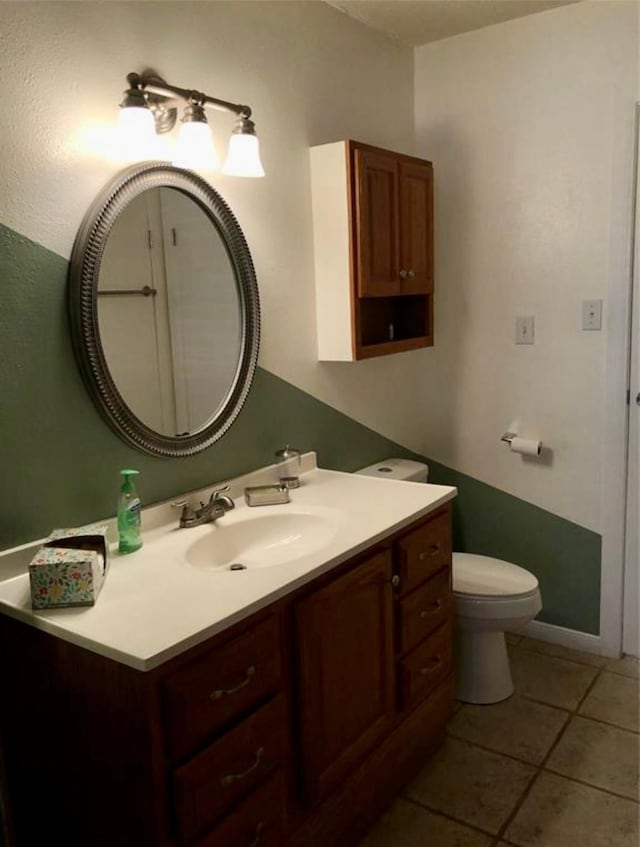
{"x": 403, "y": 469}
{"x": 488, "y": 577}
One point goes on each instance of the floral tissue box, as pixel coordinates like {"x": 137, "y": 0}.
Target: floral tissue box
{"x": 70, "y": 568}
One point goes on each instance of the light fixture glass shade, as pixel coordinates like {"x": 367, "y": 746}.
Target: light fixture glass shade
{"x": 195, "y": 148}
{"x": 136, "y": 133}
{"x": 243, "y": 156}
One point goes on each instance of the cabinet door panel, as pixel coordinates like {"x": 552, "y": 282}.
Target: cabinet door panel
{"x": 416, "y": 227}
{"x": 346, "y": 673}
{"x": 376, "y": 197}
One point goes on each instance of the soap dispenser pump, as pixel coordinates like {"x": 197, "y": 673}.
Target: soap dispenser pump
{"x": 129, "y": 518}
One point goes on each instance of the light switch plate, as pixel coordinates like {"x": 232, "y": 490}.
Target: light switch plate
{"x": 524, "y": 330}
{"x": 591, "y": 314}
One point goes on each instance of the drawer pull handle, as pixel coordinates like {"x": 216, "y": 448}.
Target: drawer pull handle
{"x": 433, "y": 609}
{"x": 229, "y": 779}
{"x": 219, "y": 693}
{"x": 431, "y": 666}
{"x": 432, "y": 550}
{"x": 257, "y": 836}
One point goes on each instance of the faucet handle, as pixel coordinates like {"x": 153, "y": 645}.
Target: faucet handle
{"x": 188, "y": 511}
{"x": 219, "y": 491}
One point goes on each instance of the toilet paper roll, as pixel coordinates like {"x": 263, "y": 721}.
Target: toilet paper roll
{"x": 526, "y": 446}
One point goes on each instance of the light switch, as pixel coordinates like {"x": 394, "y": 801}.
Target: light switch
{"x": 592, "y": 314}
{"x": 524, "y": 330}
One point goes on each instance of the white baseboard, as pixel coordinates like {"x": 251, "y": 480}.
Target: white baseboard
{"x": 565, "y": 637}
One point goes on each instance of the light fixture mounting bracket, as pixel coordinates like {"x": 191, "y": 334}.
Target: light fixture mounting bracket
{"x": 163, "y": 99}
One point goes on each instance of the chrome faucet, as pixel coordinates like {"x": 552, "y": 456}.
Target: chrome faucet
{"x": 217, "y": 506}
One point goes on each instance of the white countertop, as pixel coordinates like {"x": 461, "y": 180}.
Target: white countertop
{"x": 155, "y": 604}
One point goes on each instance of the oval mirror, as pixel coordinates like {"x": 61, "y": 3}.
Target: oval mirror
{"x": 164, "y": 309}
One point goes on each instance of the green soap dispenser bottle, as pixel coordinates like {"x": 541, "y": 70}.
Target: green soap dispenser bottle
{"x": 129, "y": 515}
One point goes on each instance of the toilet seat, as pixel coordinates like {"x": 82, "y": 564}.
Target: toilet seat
{"x": 485, "y": 578}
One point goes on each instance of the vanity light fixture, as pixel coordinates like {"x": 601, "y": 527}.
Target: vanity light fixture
{"x": 150, "y": 106}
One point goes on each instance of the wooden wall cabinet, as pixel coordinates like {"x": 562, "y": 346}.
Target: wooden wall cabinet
{"x": 373, "y": 241}
{"x": 294, "y": 727}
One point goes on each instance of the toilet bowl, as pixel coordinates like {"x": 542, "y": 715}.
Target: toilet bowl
{"x": 490, "y": 596}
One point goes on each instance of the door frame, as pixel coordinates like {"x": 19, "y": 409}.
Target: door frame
{"x": 616, "y": 395}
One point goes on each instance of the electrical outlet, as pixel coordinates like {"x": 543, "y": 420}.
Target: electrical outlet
{"x": 524, "y": 330}
{"x": 591, "y": 314}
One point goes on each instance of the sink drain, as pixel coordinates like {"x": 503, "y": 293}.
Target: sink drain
{"x": 237, "y": 566}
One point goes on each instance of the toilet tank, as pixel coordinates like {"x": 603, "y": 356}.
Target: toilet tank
{"x": 403, "y": 469}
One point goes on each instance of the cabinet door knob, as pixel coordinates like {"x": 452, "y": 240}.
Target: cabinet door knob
{"x": 395, "y": 580}
{"x": 403, "y": 274}
{"x": 411, "y": 274}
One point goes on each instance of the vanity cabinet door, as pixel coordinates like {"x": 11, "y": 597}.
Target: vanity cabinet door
{"x": 345, "y": 671}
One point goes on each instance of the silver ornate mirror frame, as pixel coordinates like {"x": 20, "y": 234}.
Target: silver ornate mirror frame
{"x": 83, "y": 305}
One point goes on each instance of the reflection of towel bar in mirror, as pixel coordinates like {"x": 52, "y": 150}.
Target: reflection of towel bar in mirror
{"x": 145, "y": 291}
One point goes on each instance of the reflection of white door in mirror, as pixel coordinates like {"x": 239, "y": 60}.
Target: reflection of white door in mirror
{"x": 134, "y": 329}
{"x": 204, "y": 310}
{"x": 173, "y": 355}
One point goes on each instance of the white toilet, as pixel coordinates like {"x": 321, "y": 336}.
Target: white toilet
{"x": 490, "y": 597}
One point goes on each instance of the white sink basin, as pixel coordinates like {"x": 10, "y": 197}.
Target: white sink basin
{"x": 263, "y": 540}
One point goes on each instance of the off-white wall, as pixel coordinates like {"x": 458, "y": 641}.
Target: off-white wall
{"x": 521, "y": 121}
{"x": 530, "y": 126}
{"x": 311, "y": 74}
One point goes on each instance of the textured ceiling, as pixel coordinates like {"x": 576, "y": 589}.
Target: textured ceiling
{"x": 416, "y": 22}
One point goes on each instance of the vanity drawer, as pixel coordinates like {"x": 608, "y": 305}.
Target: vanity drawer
{"x": 210, "y": 783}
{"x": 225, "y": 683}
{"x": 425, "y": 668}
{"x": 419, "y": 554}
{"x": 258, "y": 820}
{"x": 424, "y": 610}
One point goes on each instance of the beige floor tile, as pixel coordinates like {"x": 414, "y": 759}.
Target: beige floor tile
{"x": 518, "y": 727}
{"x": 601, "y": 755}
{"x": 549, "y": 679}
{"x": 408, "y": 825}
{"x": 614, "y": 699}
{"x": 563, "y": 652}
{"x": 562, "y": 813}
{"x": 471, "y": 785}
{"x": 627, "y": 666}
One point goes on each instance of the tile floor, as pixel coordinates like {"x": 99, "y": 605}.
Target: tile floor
{"x": 556, "y": 765}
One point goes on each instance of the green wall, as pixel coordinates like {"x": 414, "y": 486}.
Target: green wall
{"x": 61, "y": 460}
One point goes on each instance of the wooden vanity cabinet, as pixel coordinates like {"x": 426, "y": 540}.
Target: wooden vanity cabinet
{"x": 373, "y": 240}
{"x": 294, "y": 727}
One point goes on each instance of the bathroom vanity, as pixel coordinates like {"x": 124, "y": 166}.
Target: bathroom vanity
{"x": 284, "y": 704}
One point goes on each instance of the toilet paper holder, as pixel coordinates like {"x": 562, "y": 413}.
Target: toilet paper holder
{"x": 524, "y": 446}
